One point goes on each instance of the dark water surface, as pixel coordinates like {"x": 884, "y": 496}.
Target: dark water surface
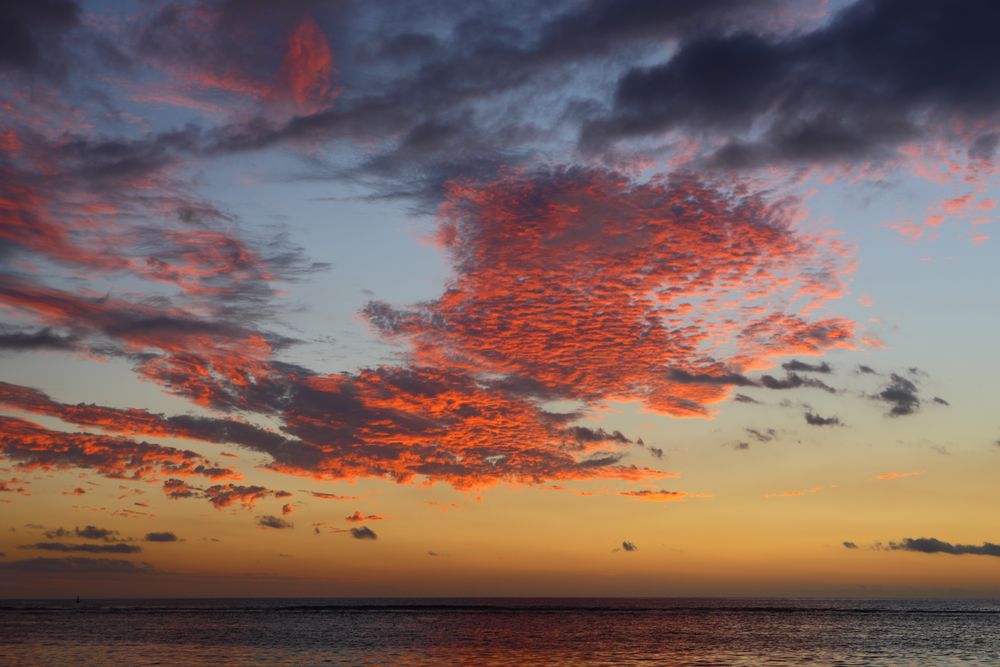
{"x": 499, "y": 632}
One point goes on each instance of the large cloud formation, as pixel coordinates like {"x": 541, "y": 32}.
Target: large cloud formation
{"x": 590, "y": 282}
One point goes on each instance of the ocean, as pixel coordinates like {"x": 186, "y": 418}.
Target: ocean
{"x": 224, "y": 632}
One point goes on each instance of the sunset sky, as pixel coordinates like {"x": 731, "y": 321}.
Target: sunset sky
{"x": 450, "y": 298}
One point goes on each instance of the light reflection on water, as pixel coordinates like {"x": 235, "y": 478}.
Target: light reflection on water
{"x": 499, "y": 632}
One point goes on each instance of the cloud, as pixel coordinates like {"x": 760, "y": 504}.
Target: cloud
{"x": 930, "y": 545}
{"x": 330, "y": 496}
{"x": 782, "y": 99}
{"x": 901, "y": 395}
{"x": 629, "y": 546}
{"x": 35, "y": 447}
{"x": 358, "y": 517}
{"x": 866, "y": 370}
{"x": 897, "y": 475}
{"x": 363, "y": 533}
{"x": 803, "y": 367}
{"x": 814, "y": 419}
{"x": 160, "y": 537}
{"x": 32, "y": 33}
{"x": 850, "y": 545}
{"x": 269, "y": 521}
{"x": 793, "y": 494}
{"x": 660, "y": 496}
{"x": 762, "y": 435}
{"x": 39, "y": 339}
{"x": 580, "y": 284}
{"x": 528, "y": 247}
{"x": 116, "y": 548}
{"x": 222, "y": 495}
{"x": 794, "y": 381}
{"x": 78, "y": 565}
{"x": 94, "y": 533}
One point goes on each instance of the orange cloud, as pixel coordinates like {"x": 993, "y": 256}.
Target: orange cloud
{"x": 897, "y": 475}
{"x": 358, "y": 517}
{"x": 36, "y": 447}
{"x": 661, "y": 496}
{"x": 794, "y": 494}
{"x": 589, "y": 286}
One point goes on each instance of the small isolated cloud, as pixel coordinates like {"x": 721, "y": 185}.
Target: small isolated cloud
{"x": 897, "y": 475}
{"x": 269, "y": 521}
{"x": 661, "y": 496}
{"x": 803, "y": 367}
{"x": 743, "y": 398}
{"x": 628, "y": 546}
{"x": 762, "y": 435}
{"x": 931, "y": 545}
{"x": 165, "y": 536}
{"x": 358, "y": 517}
{"x": 901, "y": 395}
{"x": 329, "y": 496}
{"x": 866, "y": 370}
{"x": 793, "y": 494}
{"x": 363, "y": 533}
{"x": 795, "y": 381}
{"x": 287, "y": 509}
{"x": 849, "y": 545}
{"x": 814, "y": 419}
{"x": 94, "y": 533}
{"x": 941, "y": 401}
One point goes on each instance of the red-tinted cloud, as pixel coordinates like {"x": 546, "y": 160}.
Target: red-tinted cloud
{"x": 222, "y": 495}
{"x": 657, "y": 496}
{"x": 584, "y": 284}
{"x": 308, "y": 70}
{"x": 34, "y": 447}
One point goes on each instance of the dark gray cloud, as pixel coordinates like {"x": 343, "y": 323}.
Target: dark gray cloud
{"x": 40, "y": 339}
{"x": 78, "y": 565}
{"x": 814, "y": 419}
{"x": 901, "y": 395}
{"x": 113, "y": 548}
{"x": 629, "y": 546}
{"x": 161, "y": 537}
{"x": 794, "y": 381}
{"x": 269, "y": 521}
{"x": 866, "y": 370}
{"x": 931, "y": 545}
{"x": 32, "y": 33}
{"x": 803, "y": 367}
{"x": 727, "y": 379}
{"x": 849, "y": 545}
{"x": 743, "y": 398}
{"x": 94, "y": 533}
{"x": 363, "y": 533}
{"x": 879, "y": 73}
{"x": 762, "y": 435}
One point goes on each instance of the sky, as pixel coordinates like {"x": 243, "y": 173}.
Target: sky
{"x": 576, "y": 298}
